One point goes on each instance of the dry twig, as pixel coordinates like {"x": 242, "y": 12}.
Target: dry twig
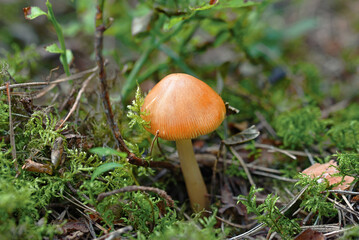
{"x": 160, "y": 192}
{"x": 132, "y": 158}
{"x": 115, "y": 234}
{"x": 60, "y": 80}
{"x": 243, "y": 164}
{"x": 84, "y": 85}
{"x": 11, "y": 129}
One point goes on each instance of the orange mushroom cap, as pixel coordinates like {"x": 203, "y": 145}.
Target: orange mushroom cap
{"x": 183, "y": 107}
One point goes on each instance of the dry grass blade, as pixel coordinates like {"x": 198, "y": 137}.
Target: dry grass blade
{"x": 115, "y": 234}
{"x": 11, "y": 129}
{"x": 344, "y": 208}
{"x": 243, "y": 164}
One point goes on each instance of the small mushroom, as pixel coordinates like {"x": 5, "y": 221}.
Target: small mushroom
{"x": 182, "y": 107}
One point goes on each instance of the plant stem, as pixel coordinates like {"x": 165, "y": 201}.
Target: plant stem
{"x": 195, "y": 185}
{"x": 60, "y": 37}
{"x": 132, "y": 158}
{"x": 131, "y": 80}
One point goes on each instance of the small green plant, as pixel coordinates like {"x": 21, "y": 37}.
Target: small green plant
{"x": 18, "y": 212}
{"x": 41, "y": 131}
{"x": 348, "y": 163}
{"x": 65, "y": 54}
{"x": 313, "y": 200}
{"x": 4, "y": 117}
{"x": 345, "y": 135}
{"x": 19, "y": 203}
{"x": 198, "y": 228}
{"x": 135, "y": 112}
{"x": 269, "y": 214}
{"x": 253, "y": 150}
{"x": 300, "y": 128}
{"x": 137, "y": 124}
{"x": 233, "y": 170}
{"x": 18, "y": 63}
{"x": 352, "y": 234}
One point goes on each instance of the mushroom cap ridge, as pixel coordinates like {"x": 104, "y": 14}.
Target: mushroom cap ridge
{"x": 181, "y": 106}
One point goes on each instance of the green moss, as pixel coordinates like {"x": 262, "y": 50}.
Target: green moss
{"x": 300, "y": 128}
{"x": 345, "y": 135}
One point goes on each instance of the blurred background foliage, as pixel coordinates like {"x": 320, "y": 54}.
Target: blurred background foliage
{"x": 261, "y": 55}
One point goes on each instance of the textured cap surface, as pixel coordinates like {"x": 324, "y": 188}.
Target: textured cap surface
{"x": 183, "y": 107}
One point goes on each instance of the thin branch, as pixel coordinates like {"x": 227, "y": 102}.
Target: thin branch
{"x": 60, "y": 80}
{"x": 11, "y": 129}
{"x": 344, "y": 192}
{"x": 243, "y": 164}
{"x": 115, "y": 234}
{"x": 310, "y": 157}
{"x": 84, "y": 85}
{"x": 275, "y": 149}
{"x": 323, "y": 228}
{"x": 100, "y": 29}
{"x": 159, "y": 192}
{"x": 274, "y": 176}
{"x": 132, "y": 158}
{"x": 75, "y": 191}
{"x": 214, "y": 170}
{"x": 265, "y": 123}
{"x": 153, "y": 141}
{"x": 343, "y": 207}
{"x": 78, "y": 203}
{"x": 347, "y": 202}
{"x": 337, "y": 232}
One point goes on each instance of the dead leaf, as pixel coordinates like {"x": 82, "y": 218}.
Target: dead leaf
{"x": 57, "y": 152}
{"x": 310, "y": 234}
{"x": 355, "y": 198}
{"x": 328, "y": 170}
{"x": 32, "y": 166}
{"x": 75, "y": 225}
{"x": 27, "y": 12}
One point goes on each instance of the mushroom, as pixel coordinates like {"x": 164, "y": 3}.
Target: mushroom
{"x": 181, "y": 107}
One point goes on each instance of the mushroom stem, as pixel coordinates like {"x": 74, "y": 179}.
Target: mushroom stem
{"x": 195, "y": 185}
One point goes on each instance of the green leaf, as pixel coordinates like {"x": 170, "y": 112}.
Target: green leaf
{"x": 69, "y": 57}
{"x": 53, "y": 48}
{"x": 104, "y": 168}
{"x": 105, "y": 151}
{"x": 33, "y": 12}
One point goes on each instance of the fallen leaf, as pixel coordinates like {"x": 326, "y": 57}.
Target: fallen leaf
{"x": 355, "y": 198}
{"x": 32, "y": 166}
{"x": 75, "y": 225}
{"x": 327, "y": 171}
{"x": 310, "y": 234}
